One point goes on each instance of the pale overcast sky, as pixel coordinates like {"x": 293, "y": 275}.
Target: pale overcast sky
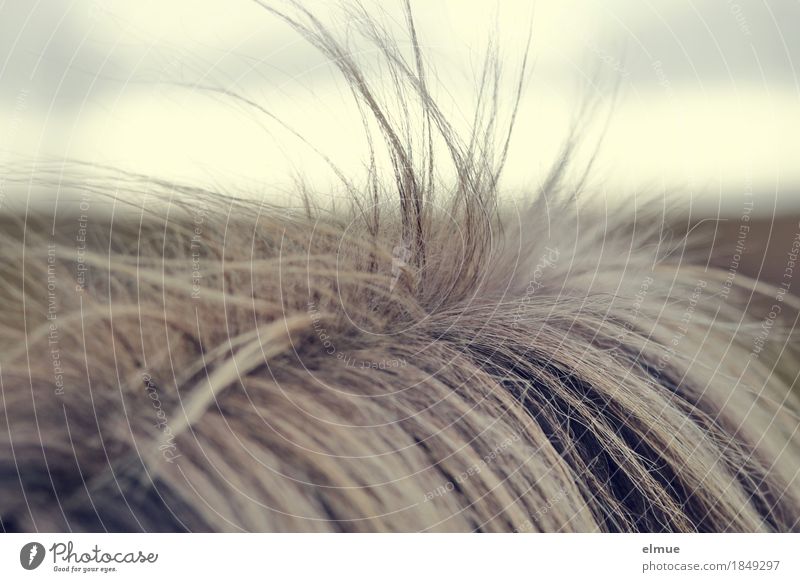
{"x": 709, "y": 89}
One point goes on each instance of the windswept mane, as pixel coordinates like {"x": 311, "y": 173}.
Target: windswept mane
{"x": 428, "y": 358}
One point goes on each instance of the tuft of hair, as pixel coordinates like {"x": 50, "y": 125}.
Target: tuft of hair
{"x": 427, "y": 358}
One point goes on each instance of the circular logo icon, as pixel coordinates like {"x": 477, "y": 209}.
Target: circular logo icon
{"x": 31, "y": 555}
